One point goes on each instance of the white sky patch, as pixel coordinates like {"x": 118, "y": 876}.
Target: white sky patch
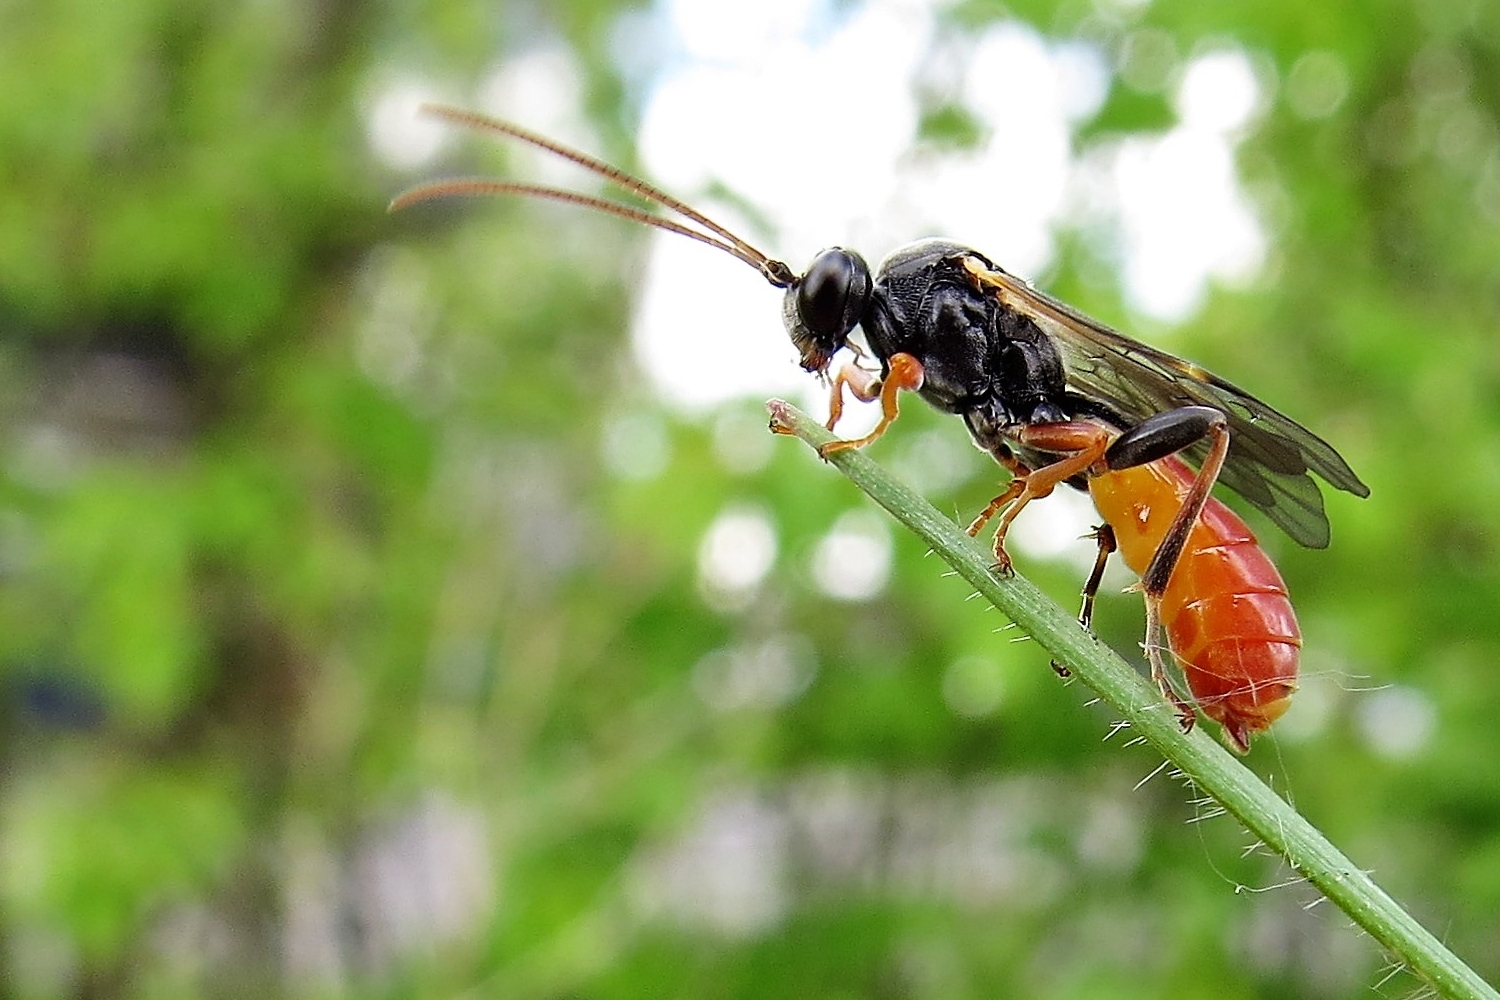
{"x": 762, "y": 127}
{"x": 400, "y": 136}
{"x": 808, "y": 114}
{"x": 755, "y": 120}
{"x": 541, "y": 89}
{"x": 1004, "y": 197}
{"x": 1218, "y": 92}
{"x": 731, "y": 33}
{"x": 1184, "y": 217}
{"x": 932, "y": 461}
{"x": 1056, "y": 527}
{"x": 806, "y": 110}
{"x": 708, "y": 329}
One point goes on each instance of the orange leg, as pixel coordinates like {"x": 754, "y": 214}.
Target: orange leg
{"x": 861, "y": 382}
{"x": 1013, "y": 490}
{"x": 1086, "y": 441}
{"x": 1018, "y": 472}
{"x": 905, "y": 373}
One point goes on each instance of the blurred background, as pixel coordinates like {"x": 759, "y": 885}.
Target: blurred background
{"x": 416, "y": 606}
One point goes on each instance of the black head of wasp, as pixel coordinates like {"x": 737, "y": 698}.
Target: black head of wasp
{"x": 1055, "y": 397}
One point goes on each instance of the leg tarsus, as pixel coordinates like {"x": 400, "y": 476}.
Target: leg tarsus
{"x": 1012, "y": 492}
{"x": 1105, "y": 536}
{"x": 1021, "y": 492}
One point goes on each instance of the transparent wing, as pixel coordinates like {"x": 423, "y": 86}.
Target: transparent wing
{"x": 1271, "y": 456}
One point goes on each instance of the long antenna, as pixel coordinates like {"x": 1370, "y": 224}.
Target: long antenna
{"x": 774, "y": 271}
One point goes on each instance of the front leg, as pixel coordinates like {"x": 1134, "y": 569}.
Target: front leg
{"x": 863, "y": 384}
{"x": 906, "y": 373}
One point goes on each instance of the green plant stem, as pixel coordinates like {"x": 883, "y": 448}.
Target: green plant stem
{"x": 1207, "y": 764}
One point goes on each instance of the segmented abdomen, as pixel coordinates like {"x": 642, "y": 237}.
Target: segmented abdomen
{"x": 1226, "y": 612}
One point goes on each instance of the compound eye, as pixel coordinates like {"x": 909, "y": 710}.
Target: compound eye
{"x": 831, "y": 296}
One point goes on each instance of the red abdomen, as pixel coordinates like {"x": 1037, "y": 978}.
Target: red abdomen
{"x": 1225, "y": 611}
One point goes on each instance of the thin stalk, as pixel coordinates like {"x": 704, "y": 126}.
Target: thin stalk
{"x": 1210, "y": 767}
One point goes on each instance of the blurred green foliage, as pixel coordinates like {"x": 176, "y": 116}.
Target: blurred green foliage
{"x": 352, "y": 644}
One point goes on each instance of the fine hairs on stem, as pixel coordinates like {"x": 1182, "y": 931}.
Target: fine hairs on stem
{"x": 1209, "y": 766}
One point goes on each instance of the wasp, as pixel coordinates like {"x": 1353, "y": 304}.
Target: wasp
{"x": 1055, "y": 397}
